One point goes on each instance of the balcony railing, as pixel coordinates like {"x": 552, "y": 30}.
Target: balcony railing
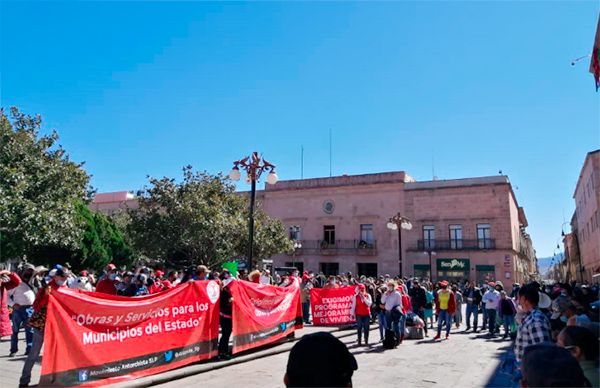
{"x": 324, "y": 247}
{"x": 456, "y": 245}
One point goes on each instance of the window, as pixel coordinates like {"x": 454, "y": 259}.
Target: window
{"x": 428, "y": 236}
{"x": 366, "y": 233}
{"x": 329, "y": 234}
{"x": 330, "y": 268}
{"x": 367, "y": 269}
{"x": 484, "y": 234}
{"x": 297, "y": 264}
{"x": 456, "y": 237}
{"x": 295, "y": 233}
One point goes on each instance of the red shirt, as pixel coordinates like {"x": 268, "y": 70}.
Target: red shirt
{"x": 42, "y": 297}
{"x": 406, "y": 307}
{"x": 361, "y": 307}
{"x": 107, "y": 286}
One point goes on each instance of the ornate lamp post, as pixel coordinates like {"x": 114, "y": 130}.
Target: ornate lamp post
{"x": 254, "y": 166}
{"x": 398, "y": 222}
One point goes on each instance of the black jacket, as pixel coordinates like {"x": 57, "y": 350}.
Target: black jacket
{"x": 417, "y": 297}
{"x": 476, "y": 296}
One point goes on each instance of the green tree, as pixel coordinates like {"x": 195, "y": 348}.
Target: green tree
{"x": 199, "y": 220}
{"x": 101, "y": 242}
{"x": 39, "y": 189}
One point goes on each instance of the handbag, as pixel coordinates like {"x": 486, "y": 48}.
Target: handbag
{"x": 396, "y": 313}
{"x": 38, "y": 319}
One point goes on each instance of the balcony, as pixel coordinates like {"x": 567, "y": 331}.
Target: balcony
{"x": 337, "y": 247}
{"x": 456, "y": 245}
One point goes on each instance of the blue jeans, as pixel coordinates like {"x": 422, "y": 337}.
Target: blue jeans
{"x": 306, "y": 312}
{"x": 382, "y": 324}
{"x": 491, "y": 319}
{"x": 362, "y": 325}
{"x": 508, "y": 321}
{"x": 34, "y": 353}
{"x": 20, "y": 318}
{"x": 390, "y": 324}
{"x": 472, "y": 309}
{"x": 444, "y": 316}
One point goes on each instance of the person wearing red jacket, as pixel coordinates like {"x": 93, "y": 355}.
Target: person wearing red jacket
{"x": 8, "y": 281}
{"x": 39, "y": 306}
{"x": 361, "y": 308}
{"x": 406, "y": 308}
{"x": 445, "y": 307}
{"x": 108, "y": 284}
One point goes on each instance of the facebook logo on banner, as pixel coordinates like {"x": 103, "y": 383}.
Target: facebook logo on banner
{"x": 84, "y": 375}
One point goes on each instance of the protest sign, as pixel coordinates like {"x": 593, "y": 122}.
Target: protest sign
{"x": 332, "y": 306}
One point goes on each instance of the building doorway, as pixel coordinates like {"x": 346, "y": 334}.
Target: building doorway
{"x": 367, "y": 269}
{"x": 329, "y": 268}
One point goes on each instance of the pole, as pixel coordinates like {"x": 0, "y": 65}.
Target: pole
{"x": 430, "y": 267}
{"x": 400, "y": 251}
{"x": 251, "y": 224}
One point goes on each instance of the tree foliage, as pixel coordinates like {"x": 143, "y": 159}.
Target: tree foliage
{"x": 39, "y": 188}
{"x": 199, "y": 220}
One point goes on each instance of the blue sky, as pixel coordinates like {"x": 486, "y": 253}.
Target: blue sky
{"x": 144, "y": 88}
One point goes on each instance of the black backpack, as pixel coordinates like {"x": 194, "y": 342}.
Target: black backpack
{"x": 390, "y": 340}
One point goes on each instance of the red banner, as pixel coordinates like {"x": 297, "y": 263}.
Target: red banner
{"x": 332, "y": 306}
{"x": 94, "y": 339}
{"x": 263, "y": 314}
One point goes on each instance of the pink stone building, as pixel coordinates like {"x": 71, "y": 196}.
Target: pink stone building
{"x": 464, "y": 228}
{"x": 587, "y": 216}
{"x": 110, "y": 203}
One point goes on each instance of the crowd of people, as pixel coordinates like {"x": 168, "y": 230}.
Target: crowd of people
{"x": 534, "y": 316}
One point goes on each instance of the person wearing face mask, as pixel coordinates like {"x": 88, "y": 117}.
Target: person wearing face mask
{"x": 332, "y": 283}
{"x": 108, "y": 284}
{"x": 491, "y": 299}
{"x": 38, "y": 322}
{"x": 392, "y": 304}
{"x": 507, "y": 311}
{"x": 361, "y": 308}
{"x": 225, "y": 315}
{"x": 445, "y": 309}
{"x": 21, "y": 299}
{"x": 535, "y": 327}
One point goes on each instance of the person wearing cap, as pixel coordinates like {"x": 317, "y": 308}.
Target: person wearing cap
{"x": 319, "y": 360}
{"x": 108, "y": 284}
{"x": 21, "y": 300}
{"x": 491, "y": 299}
{"x": 391, "y": 302}
{"x": 445, "y": 307}
{"x": 39, "y": 309}
{"x": 225, "y": 314}
{"x": 535, "y": 328}
{"x": 305, "y": 288}
{"x": 8, "y": 281}
{"x": 361, "y": 309}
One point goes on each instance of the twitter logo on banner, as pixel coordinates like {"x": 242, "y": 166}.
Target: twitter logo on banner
{"x": 282, "y": 326}
{"x": 84, "y": 375}
{"x": 169, "y": 356}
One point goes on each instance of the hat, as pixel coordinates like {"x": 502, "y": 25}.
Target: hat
{"x": 111, "y": 267}
{"x": 559, "y": 306}
{"x": 491, "y": 284}
{"x": 320, "y": 360}
{"x": 41, "y": 268}
{"x": 444, "y": 283}
{"x": 28, "y": 266}
{"x": 159, "y": 273}
{"x": 361, "y": 286}
{"x": 545, "y": 301}
{"x": 84, "y": 273}
{"x": 305, "y": 277}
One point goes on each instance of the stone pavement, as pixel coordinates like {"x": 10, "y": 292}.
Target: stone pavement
{"x": 465, "y": 360}
{"x": 10, "y": 367}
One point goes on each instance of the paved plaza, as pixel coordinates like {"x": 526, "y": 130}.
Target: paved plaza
{"x": 465, "y": 360}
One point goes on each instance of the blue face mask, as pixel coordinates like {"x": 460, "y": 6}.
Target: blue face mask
{"x": 564, "y": 319}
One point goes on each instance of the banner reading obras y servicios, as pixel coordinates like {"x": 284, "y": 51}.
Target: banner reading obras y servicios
{"x": 96, "y": 339}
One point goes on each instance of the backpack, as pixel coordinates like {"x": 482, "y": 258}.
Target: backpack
{"x": 390, "y": 340}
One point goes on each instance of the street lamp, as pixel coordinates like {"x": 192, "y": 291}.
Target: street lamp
{"x": 297, "y": 244}
{"x": 254, "y": 166}
{"x": 398, "y": 222}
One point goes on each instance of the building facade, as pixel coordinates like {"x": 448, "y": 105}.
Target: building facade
{"x": 464, "y": 228}
{"x": 587, "y": 218}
